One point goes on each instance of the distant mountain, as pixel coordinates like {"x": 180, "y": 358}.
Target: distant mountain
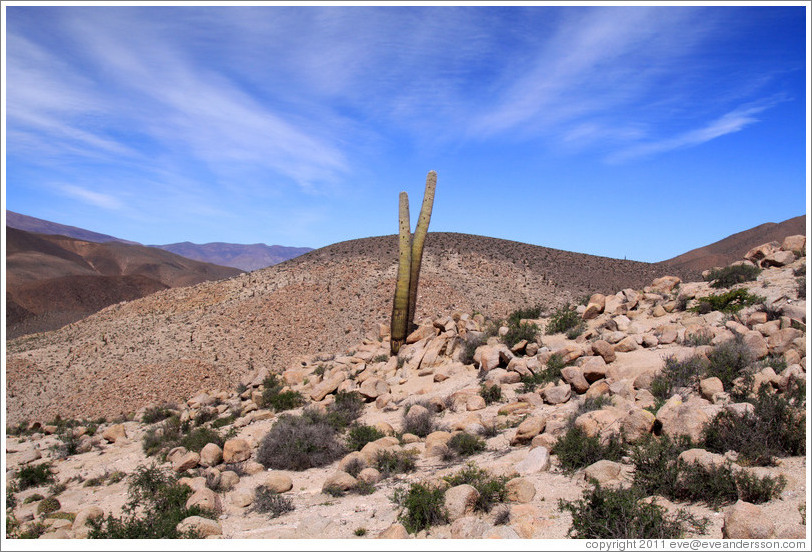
{"x": 246, "y": 257}
{"x": 53, "y": 280}
{"x": 39, "y": 226}
{"x": 733, "y": 248}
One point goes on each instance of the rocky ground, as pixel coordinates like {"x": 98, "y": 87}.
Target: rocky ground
{"x": 627, "y": 337}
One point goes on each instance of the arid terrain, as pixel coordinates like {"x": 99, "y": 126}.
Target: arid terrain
{"x": 319, "y": 323}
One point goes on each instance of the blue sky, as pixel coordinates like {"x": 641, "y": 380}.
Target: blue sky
{"x": 622, "y": 131}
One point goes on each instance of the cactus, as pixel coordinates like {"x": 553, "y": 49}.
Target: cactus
{"x": 410, "y": 257}
{"x": 400, "y": 308}
{"x": 419, "y": 239}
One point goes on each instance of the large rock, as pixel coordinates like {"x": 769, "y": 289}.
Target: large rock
{"x": 211, "y": 455}
{"x": 520, "y": 490}
{"x": 664, "y": 284}
{"x": 236, "y": 450}
{"x": 626, "y": 345}
{"x": 794, "y": 243}
{"x": 460, "y": 501}
{"x": 537, "y": 460}
{"x": 394, "y": 531}
{"x": 636, "y": 424}
{"x": 782, "y": 340}
{"x": 339, "y": 481}
{"x": 204, "y": 498}
{"x": 278, "y": 482}
{"x": 574, "y": 376}
{"x": 86, "y": 514}
{"x": 186, "y": 462}
{"x": 328, "y": 386}
{"x": 373, "y": 387}
{"x": 594, "y": 422}
{"x": 557, "y": 394}
{"x": 760, "y": 252}
{"x": 528, "y": 429}
{"x": 487, "y": 357}
{"x": 202, "y": 526}
{"x": 747, "y": 521}
{"x": 682, "y": 419}
{"x": 114, "y": 433}
{"x": 778, "y": 258}
{"x": 708, "y": 387}
{"x": 603, "y": 471}
{"x": 594, "y": 368}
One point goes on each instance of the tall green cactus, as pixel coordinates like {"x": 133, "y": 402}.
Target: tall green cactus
{"x": 400, "y": 309}
{"x": 410, "y": 257}
{"x": 419, "y": 239}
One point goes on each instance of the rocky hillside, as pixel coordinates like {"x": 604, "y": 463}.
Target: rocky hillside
{"x": 246, "y": 257}
{"x": 54, "y": 280}
{"x": 538, "y": 412}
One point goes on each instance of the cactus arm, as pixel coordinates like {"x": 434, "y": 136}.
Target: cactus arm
{"x": 400, "y": 308}
{"x": 417, "y": 242}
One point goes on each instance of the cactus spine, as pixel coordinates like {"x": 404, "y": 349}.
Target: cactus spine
{"x": 400, "y": 308}
{"x": 410, "y": 257}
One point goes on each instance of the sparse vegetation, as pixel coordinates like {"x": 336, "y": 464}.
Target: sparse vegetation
{"x": 391, "y": 462}
{"x": 423, "y": 506}
{"x": 156, "y": 414}
{"x": 359, "y": 435}
{"x": 728, "y": 361}
{"x": 623, "y": 514}
{"x": 490, "y": 392}
{"x": 731, "y": 275}
{"x": 728, "y": 302}
{"x": 677, "y": 375}
{"x": 576, "y": 450}
{"x": 420, "y": 425}
{"x": 465, "y": 444}
{"x": 520, "y": 331}
{"x": 550, "y": 373}
{"x": 270, "y": 502}
{"x": 563, "y": 319}
{"x": 492, "y": 490}
{"x": 34, "y": 475}
{"x": 347, "y": 407}
{"x": 156, "y": 505}
{"x": 299, "y": 442}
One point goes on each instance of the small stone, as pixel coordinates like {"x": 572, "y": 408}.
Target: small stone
{"x": 395, "y": 531}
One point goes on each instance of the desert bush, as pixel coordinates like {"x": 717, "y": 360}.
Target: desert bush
{"x": 286, "y": 400}
{"x": 470, "y": 347}
{"x": 156, "y": 414}
{"x": 502, "y": 516}
{"x": 205, "y": 414}
{"x": 347, "y": 407}
{"x": 525, "y": 313}
{"x": 698, "y": 339}
{"x": 776, "y": 427}
{"x": 677, "y": 374}
{"x": 420, "y": 425}
{"x": 270, "y": 502}
{"x": 491, "y": 393}
{"x": 423, "y": 506}
{"x": 729, "y": 302}
{"x": 466, "y": 444}
{"x": 200, "y": 437}
{"x": 604, "y": 513}
{"x": 68, "y": 443}
{"x": 563, "y": 319}
{"x": 156, "y": 505}
{"x": 519, "y": 331}
{"x": 550, "y": 373}
{"x": 34, "y": 475}
{"x": 298, "y": 443}
{"x": 756, "y": 490}
{"x": 492, "y": 490}
{"x": 729, "y": 360}
{"x": 360, "y": 532}
{"x": 48, "y": 505}
{"x": 224, "y": 421}
{"x": 359, "y": 435}
{"x": 576, "y": 330}
{"x": 165, "y": 436}
{"x": 713, "y": 485}
{"x": 590, "y": 404}
{"x": 380, "y": 358}
{"x": 731, "y": 275}
{"x": 801, "y": 287}
{"x": 576, "y": 450}
{"x": 391, "y": 462}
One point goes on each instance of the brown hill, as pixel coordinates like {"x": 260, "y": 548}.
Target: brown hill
{"x": 243, "y": 256}
{"x": 733, "y": 248}
{"x": 40, "y": 226}
{"x": 54, "y": 280}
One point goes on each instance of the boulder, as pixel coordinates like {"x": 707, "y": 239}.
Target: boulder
{"x": 204, "y": 498}
{"x": 520, "y": 490}
{"x": 211, "y": 455}
{"x": 626, "y": 345}
{"x": 594, "y": 368}
{"x": 236, "y": 450}
{"x": 708, "y": 387}
{"x": 682, "y": 419}
{"x": 205, "y": 527}
{"x": 228, "y": 480}
{"x": 278, "y": 482}
{"x": 186, "y": 462}
{"x": 664, "y": 284}
{"x": 636, "y": 424}
{"x": 537, "y": 460}
{"x": 327, "y": 386}
{"x": 778, "y": 258}
{"x": 86, "y": 514}
{"x": 460, "y": 501}
{"x": 557, "y": 394}
{"x": 574, "y": 376}
{"x": 604, "y": 471}
{"x": 339, "y": 481}
{"x": 528, "y": 429}
{"x": 394, "y": 531}
{"x": 747, "y": 521}
{"x": 373, "y": 387}
{"x": 114, "y": 433}
{"x": 794, "y": 243}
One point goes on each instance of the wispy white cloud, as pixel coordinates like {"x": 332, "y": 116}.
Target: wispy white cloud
{"x": 98, "y": 199}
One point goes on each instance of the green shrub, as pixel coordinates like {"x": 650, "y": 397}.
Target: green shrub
{"x": 347, "y": 407}
{"x": 48, "y": 505}
{"x": 286, "y": 400}
{"x": 563, "y": 319}
{"x": 156, "y": 505}
{"x": 33, "y": 498}
{"x": 622, "y": 514}
{"x": 164, "y": 437}
{"x": 466, "y": 444}
{"x": 360, "y": 435}
{"x": 491, "y": 393}
{"x": 360, "y": 532}
{"x": 205, "y": 414}
{"x": 520, "y": 331}
{"x": 298, "y": 443}
{"x": 270, "y": 502}
{"x": 590, "y": 404}
{"x": 713, "y": 485}
{"x": 776, "y": 427}
{"x": 380, "y": 358}
{"x": 575, "y": 331}
{"x": 550, "y": 373}
{"x": 390, "y": 462}
{"x": 729, "y": 360}
{"x": 69, "y": 443}
{"x": 729, "y": 302}
{"x": 420, "y": 425}
{"x": 801, "y": 287}
{"x": 33, "y": 531}
{"x": 518, "y": 315}
{"x": 200, "y": 437}
{"x": 156, "y": 414}
{"x": 732, "y": 275}
{"x": 34, "y": 475}
{"x": 655, "y": 464}
{"x": 423, "y": 506}
{"x": 472, "y": 341}
{"x": 224, "y": 421}
{"x": 756, "y": 490}
{"x": 677, "y": 374}
{"x": 492, "y": 490}
{"x": 576, "y": 450}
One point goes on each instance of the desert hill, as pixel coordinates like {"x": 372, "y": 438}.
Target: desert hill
{"x": 39, "y": 226}
{"x": 54, "y": 280}
{"x": 246, "y": 257}
{"x": 732, "y": 248}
